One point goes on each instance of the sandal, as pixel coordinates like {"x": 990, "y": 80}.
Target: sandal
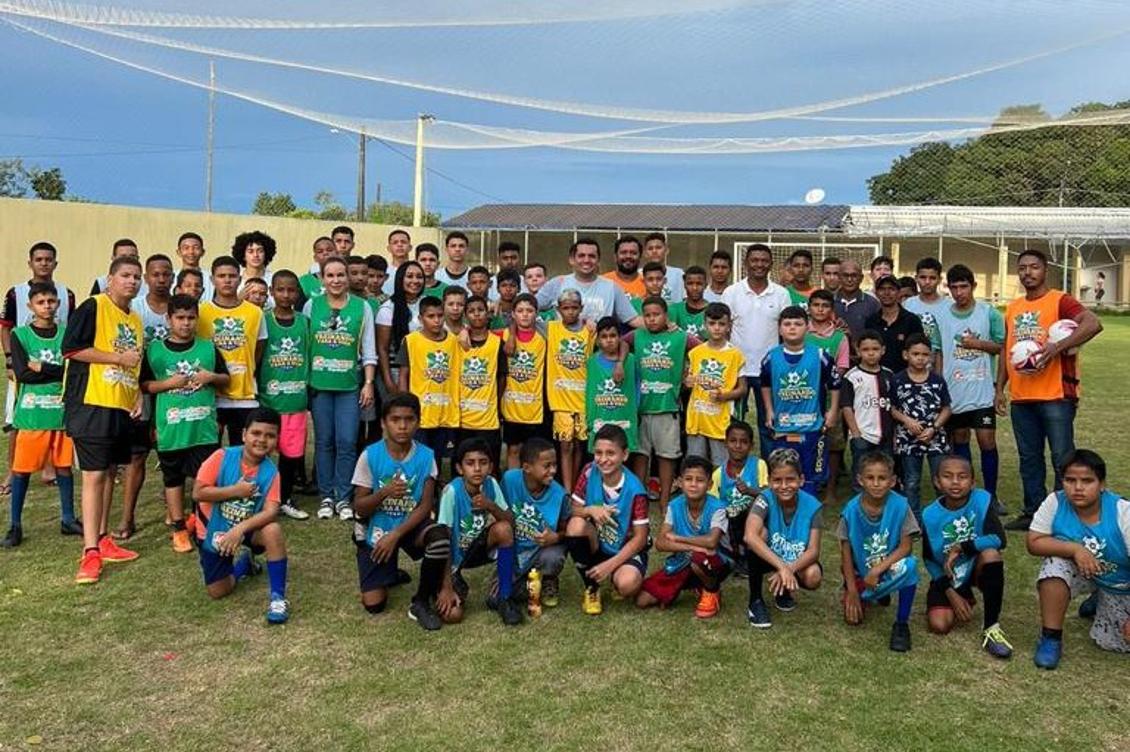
{"x": 125, "y": 531}
{"x": 5, "y": 488}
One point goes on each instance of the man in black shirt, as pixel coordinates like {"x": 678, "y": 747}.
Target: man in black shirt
{"x": 893, "y": 321}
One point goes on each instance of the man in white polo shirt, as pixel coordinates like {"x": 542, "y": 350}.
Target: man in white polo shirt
{"x": 755, "y": 305}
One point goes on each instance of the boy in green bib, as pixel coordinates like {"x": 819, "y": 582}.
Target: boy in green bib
{"x": 37, "y": 363}
{"x": 609, "y": 401}
{"x": 689, "y": 314}
{"x": 184, "y": 372}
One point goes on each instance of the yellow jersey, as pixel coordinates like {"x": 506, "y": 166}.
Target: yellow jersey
{"x": 115, "y": 331}
{"x": 433, "y": 377}
{"x": 565, "y": 367}
{"x": 522, "y": 400}
{"x": 712, "y": 369}
{"x": 235, "y": 332}
{"x": 478, "y": 385}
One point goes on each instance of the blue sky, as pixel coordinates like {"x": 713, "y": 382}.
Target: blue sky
{"x": 124, "y": 136}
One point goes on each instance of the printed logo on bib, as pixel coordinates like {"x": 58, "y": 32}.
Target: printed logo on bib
{"x": 528, "y": 521}
{"x": 960, "y": 351}
{"x": 786, "y": 549}
{"x": 125, "y": 340}
{"x": 398, "y": 505}
{"x": 657, "y": 357}
{"x": 49, "y": 356}
{"x": 156, "y": 332}
{"x": 710, "y": 373}
{"x": 794, "y": 387}
{"x": 229, "y": 334}
{"x": 610, "y": 396}
{"x": 876, "y": 548}
{"x": 1097, "y": 548}
{"x": 957, "y": 531}
{"x": 609, "y": 532}
{"x": 523, "y": 366}
{"x": 474, "y": 375}
{"x": 737, "y": 502}
{"x": 285, "y": 354}
{"x": 694, "y": 329}
{"x": 334, "y": 332}
{"x": 571, "y": 354}
{"x": 438, "y": 367}
{"x": 1026, "y": 325}
{"x": 470, "y": 528}
{"x": 31, "y": 401}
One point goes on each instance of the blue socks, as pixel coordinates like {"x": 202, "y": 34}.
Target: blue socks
{"x": 276, "y": 578}
{"x": 963, "y": 450}
{"x": 505, "y": 571}
{"x": 906, "y": 602}
{"x": 241, "y": 566}
{"x": 66, "y": 486}
{"x": 19, "y": 494}
{"x": 990, "y": 469}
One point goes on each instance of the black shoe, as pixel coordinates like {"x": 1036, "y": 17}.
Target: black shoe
{"x": 14, "y": 538}
{"x": 510, "y": 612}
{"x": 785, "y": 603}
{"x": 424, "y": 614}
{"x": 884, "y": 601}
{"x": 999, "y": 507}
{"x": 1022, "y": 521}
{"x": 1089, "y": 607}
{"x": 402, "y": 578}
{"x": 900, "y": 637}
{"x": 758, "y": 615}
{"x": 741, "y": 568}
{"x": 74, "y": 527}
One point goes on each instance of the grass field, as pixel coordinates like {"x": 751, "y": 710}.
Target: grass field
{"x": 144, "y": 660}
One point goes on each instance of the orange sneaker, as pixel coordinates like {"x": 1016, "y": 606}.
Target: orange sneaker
{"x": 112, "y": 552}
{"x": 708, "y": 604}
{"x": 181, "y": 542}
{"x": 89, "y": 568}
{"x": 190, "y": 524}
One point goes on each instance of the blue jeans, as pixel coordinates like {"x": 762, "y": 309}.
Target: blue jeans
{"x": 1033, "y": 425}
{"x": 765, "y": 440}
{"x": 336, "y": 418}
{"x": 912, "y": 477}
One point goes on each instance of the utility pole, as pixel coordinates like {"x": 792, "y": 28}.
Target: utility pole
{"x": 362, "y": 138}
{"x": 211, "y": 134}
{"x": 418, "y": 202}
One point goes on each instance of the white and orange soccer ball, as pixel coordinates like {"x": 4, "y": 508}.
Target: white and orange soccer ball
{"x": 1061, "y": 330}
{"x": 1023, "y": 355}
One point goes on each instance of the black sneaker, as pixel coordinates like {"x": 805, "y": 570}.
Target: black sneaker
{"x": 1021, "y": 522}
{"x": 785, "y": 603}
{"x": 758, "y": 615}
{"x": 900, "y": 637}
{"x": 424, "y": 614}
{"x": 1089, "y": 607}
{"x": 741, "y": 568}
{"x": 510, "y": 612}
{"x": 999, "y": 507}
{"x": 74, "y": 527}
{"x": 14, "y": 538}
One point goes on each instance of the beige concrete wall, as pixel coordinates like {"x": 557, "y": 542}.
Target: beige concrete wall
{"x": 84, "y": 234}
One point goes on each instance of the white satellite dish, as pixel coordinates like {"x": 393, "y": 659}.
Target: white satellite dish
{"x": 814, "y": 196}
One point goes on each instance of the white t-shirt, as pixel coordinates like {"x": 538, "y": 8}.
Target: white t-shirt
{"x": 673, "y": 289}
{"x": 754, "y": 318}
{"x": 1045, "y": 515}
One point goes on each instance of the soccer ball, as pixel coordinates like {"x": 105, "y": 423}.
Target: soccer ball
{"x": 1023, "y": 355}
{"x": 1061, "y": 330}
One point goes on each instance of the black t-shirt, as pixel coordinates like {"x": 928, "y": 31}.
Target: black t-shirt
{"x": 894, "y": 335}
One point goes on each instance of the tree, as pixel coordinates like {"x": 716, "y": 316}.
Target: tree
{"x": 13, "y": 178}
{"x": 397, "y": 213}
{"x": 1070, "y": 165}
{"x": 48, "y": 185}
{"x": 274, "y": 204}
{"x": 328, "y": 207}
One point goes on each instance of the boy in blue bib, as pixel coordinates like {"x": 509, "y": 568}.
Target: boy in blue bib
{"x": 474, "y": 509}
{"x": 394, "y": 485}
{"x": 876, "y": 532}
{"x": 694, "y": 532}
{"x": 607, "y": 533}
{"x": 800, "y": 388}
{"x": 782, "y": 535}
{"x": 541, "y": 510}
{"x": 1083, "y": 533}
{"x": 962, "y": 539}
{"x": 736, "y": 483}
{"x": 237, "y": 505}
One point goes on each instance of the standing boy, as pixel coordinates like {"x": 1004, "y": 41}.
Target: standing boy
{"x": 714, "y": 377}
{"x": 523, "y": 402}
{"x": 928, "y": 304}
{"x": 184, "y": 372}
{"x": 876, "y": 533}
{"x": 570, "y": 344}
{"x": 689, "y": 314}
{"x": 40, "y": 441}
{"x": 920, "y": 406}
{"x": 865, "y": 397}
{"x": 482, "y": 373}
{"x": 237, "y": 503}
{"x": 801, "y": 391}
{"x": 892, "y": 321}
{"x": 608, "y": 401}
{"x": 721, "y": 271}
{"x": 800, "y": 266}
{"x": 824, "y": 332}
{"x": 430, "y": 357}
{"x": 190, "y": 251}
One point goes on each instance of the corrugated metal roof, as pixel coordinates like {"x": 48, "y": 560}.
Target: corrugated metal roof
{"x": 988, "y": 221}
{"x": 706, "y": 218}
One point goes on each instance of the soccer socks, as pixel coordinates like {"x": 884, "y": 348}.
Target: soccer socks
{"x": 437, "y": 549}
{"x": 757, "y": 569}
{"x": 288, "y": 471}
{"x": 505, "y": 571}
{"x": 990, "y": 469}
{"x": 66, "y": 486}
{"x": 19, "y": 494}
{"x": 991, "y": 583}
{"x": 276, "y": 578}
{"x": 906, "y": 603}
{"x": 241, "y": 566}
{"x": 1051, "y": 634}
{"x": 963, "y": 451}
{"x": 580, "y": 549}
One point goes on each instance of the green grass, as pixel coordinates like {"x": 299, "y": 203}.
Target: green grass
{"x": 144, "y": 660}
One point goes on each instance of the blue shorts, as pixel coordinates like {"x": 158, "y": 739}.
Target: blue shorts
{"x": 813, "y": 450}
{"x": 216, "y": 567}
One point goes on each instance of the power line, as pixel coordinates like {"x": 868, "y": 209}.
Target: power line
{"x": 441, "y": 175}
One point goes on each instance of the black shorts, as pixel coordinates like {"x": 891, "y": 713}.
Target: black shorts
{"x": 232, "y": 420}
{"x": 515, "y": 434}
{"x": 479, "y": 552}
{"x": 378, "y": 576}
{"x": 101, "y": 452}
{"x": 178, "y": 465}
{"x": 982, "y": 417}
{"x": 140, "y": 437}
{"x": 101, "y": 436}
{"x": 639, "y": 561}
{"x": 936, "y": 595}
{"x": 436, "y": 439}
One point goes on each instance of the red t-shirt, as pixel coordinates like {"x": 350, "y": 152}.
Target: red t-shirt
{"x": 639, "y": 504}
{"x": 209, "y": 473}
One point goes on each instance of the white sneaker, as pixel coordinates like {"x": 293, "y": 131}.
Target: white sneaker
{"x": 289, "y": 510}
{"x": 326, "y": 509}
{"x": 344, "y": 511}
